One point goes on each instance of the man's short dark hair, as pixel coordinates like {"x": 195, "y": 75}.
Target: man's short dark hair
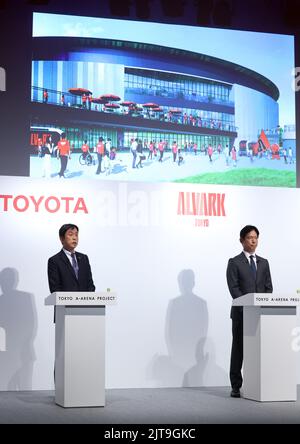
{"x": 244, "y": 231}
{"x": 64, "y": 228}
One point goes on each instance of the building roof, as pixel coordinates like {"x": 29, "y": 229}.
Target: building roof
{"x": 153, "y": 57}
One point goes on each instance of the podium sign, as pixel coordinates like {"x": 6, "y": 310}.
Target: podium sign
{"x": 81, "y": 298}
{"x": 80, "y": 347}
{"x": 269, "y": 369}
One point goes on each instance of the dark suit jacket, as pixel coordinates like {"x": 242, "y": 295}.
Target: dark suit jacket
{"x": 61, "y": 275}
{"x": 240, "y": 279}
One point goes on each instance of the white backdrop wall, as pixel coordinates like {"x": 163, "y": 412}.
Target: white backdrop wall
{"x": 171, "y": 326}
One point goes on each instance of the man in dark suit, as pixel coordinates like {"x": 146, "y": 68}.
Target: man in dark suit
{"x": 246, "y": 273}
{"x": 69, "y": 270}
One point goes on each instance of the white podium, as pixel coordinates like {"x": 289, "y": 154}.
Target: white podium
{"x": 80, "y": 347}
{"x": 269, "y": 370}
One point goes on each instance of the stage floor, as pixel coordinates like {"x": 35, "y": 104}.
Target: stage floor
{"x": 205, "y": 405}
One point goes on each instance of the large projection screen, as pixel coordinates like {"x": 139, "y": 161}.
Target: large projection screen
{"x": 157, "y": 102}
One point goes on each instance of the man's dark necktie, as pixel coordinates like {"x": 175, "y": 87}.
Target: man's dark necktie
{"x": 253, "y": 266}
{"x": 74, "y": 264}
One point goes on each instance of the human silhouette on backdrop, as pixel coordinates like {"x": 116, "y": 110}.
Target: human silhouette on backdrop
{"x": 186, "y": 324}
{"x": 186, "y": 321}
{"x": 246, "y": 273}
{"x": 18, "y": 325}
{"x": 206, "y": 371}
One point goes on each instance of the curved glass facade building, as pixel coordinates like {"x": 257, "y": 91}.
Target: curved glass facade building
{"x": 199, "y": 98}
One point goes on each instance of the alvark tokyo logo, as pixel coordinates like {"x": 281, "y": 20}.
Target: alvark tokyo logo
{"x": 201, "y": 204}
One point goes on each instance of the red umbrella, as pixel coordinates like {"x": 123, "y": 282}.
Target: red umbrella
{"x": 79, "y": 91}
{"x": 112, "y": 105}
{"x": 150, "y": 105}
{"x": 157, "y": 110}
{"x": 128, "y": 103}
{"x": 110, "y": 97}
{"x": 99, "y": 100}
{"x": 175, "y": 111}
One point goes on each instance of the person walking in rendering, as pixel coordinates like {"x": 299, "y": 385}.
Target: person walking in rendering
{"x": 100, "y": 150}
{"x": 63, "y": 152}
